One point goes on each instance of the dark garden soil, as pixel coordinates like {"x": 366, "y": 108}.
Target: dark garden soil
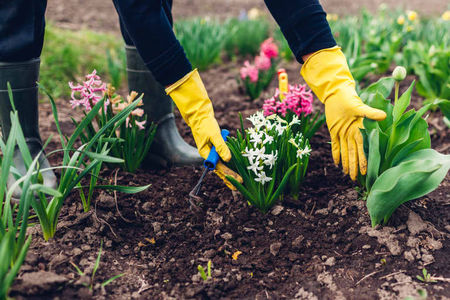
{"x": 319, "y": 247}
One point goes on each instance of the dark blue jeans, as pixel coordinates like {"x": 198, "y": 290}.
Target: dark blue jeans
{"x": 147, "y": 24}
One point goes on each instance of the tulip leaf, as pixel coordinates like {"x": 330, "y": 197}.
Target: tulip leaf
{"x": 416, "y": 176}
{"x": 374, "y": 158}
{"x": 383, "y": 86}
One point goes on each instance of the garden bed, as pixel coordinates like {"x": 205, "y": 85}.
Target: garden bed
{"x": 319, "y": 246}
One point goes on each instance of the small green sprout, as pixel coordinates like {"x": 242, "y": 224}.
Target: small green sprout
{"x": 97, "y": 264}
{"x": 205, "y": 275}
{"x": 423, "y": 295}
{"x": 426, "y": 276}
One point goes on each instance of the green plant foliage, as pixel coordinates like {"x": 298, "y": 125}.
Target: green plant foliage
{"x": 372, "y": 42}
{"x": 203, "y": 41}
{"x": 270, "y": 158}
{"x": 417, "y": 175}
{"x": 349, "y": 37}
{"x": 68, "y": 53}
{"x": 78, "y": 163}
{"x": 433, "y": 70}
{"x": 401, "y": 165}
{"x": 14, "y": 220}
{"x": 244, "y": 36}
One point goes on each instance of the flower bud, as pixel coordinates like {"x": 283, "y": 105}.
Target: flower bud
{"x": 399, "y": 73}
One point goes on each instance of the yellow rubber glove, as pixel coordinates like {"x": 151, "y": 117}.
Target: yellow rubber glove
{"x": 327, "y": 74}
{"x": 191, "y": 98}
{"x": 222, "y": 171}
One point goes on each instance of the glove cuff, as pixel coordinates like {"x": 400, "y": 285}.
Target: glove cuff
{"x": 190, "y": 96}
{"x": 326, "y": 72}
{"x": 173, "y": 86}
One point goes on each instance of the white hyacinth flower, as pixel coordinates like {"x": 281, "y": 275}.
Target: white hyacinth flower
{"x": 268, "y": 139}
{"x": 255, "y": 168}
{"x": 263, "y": 178}
{"x": 295, "y": 120}
{"x": 270, "y": 159}
{"x": 302, "y": 152}
{"x": 257, "y": 120}
{"x": 257, "y": 138}
{"x": 280, "y": 128}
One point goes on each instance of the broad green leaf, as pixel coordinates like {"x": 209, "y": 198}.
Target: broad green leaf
{"x": 418, "y": 175}
{"x": 414, "y": 131}
{"x": 383, "y": 86}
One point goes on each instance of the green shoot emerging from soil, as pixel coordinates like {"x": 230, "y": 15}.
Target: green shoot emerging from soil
{"x": 94, "y": 271}
{"x": 205, "y": 275}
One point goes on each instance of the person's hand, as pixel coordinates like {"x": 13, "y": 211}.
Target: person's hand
{"x": 191, "y": 98}
{"x": 327, "y": 74}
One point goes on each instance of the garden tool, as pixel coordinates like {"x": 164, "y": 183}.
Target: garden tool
{"x": 168, "y": 147}
{"x": 23, "y": 76}
{"x": 328, "y": 75}
{"x": 212, "y": 163}
{"x": 209, "y": 164}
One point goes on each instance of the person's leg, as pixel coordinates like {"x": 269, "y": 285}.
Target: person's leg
{"x": 168, "y": 147}
{"x": 22, "y": 27}
{"x": 150, "y": 29}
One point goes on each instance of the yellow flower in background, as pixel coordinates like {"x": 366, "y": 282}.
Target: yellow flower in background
{"x": 401, "y": 20}
{"x": 446, "y": 16}
{"x": 332, "y": 17}
{"x": 254, "y": 13}
{"x": 412, "y": 15}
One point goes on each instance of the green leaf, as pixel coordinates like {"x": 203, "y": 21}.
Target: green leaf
{"x": 374, "y": 158}
{"x": 402, "y": 103}
{"x": 124, "y": 189}
{"x": 45, "y": 189}
{"x": 106, "y": 282}
{"x": 416, "y": 176}
{"x": 104, "y": 158}
{"x": 383, "y": 86}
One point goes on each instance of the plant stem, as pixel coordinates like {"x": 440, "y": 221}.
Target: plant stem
{"x": 397, "y": 87}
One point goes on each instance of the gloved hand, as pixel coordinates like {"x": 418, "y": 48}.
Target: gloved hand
{"x": 191, "y": 98}
{"x": 327, "y": 74}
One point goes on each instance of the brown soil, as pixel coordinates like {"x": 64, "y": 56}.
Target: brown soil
{"x": 320, "y": 247}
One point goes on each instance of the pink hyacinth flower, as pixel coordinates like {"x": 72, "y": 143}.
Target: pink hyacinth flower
{"x": 269, "y": 48}
{"x": 89, "y": 93}
{"x": 298, "y": 100}
{"x": 269, "y": 107}
{"x": 250, "y": 71}
{"x": 263, "y": 62}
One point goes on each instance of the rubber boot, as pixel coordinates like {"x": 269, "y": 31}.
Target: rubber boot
{"x": 168, "y": 147}
{"x": 23, "y": 77}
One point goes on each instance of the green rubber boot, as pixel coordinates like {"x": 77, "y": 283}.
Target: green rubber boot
{"x": 168, "y": 147}
{"x": 23, "y": 76}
